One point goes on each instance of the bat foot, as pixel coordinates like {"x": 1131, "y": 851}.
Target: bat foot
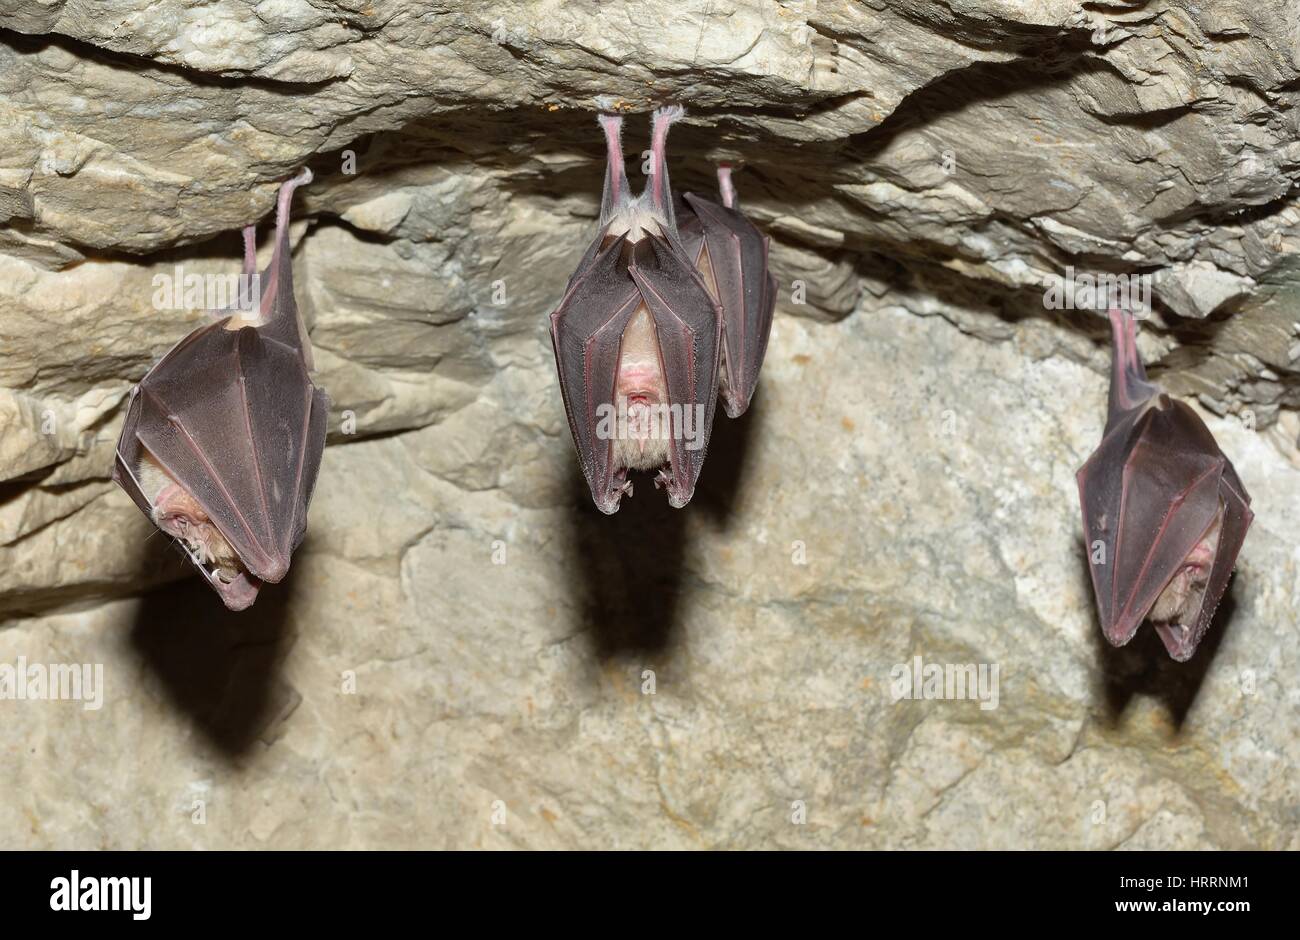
{"x": 304, "y": 177}
{"x": 676, "y": 498}
{"x": 668, "y": 114}
{"x": 726, "y": 189}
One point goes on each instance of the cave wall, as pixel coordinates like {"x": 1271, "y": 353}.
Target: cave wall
{"x": 903, "y": 485}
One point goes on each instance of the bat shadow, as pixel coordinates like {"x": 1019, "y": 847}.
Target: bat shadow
{"x": 1143, "y": 667}
{"x": 629, "y": 567}
{"x": 628, "y": 570}
{"x": 723, "y": 477}
{"x": 218, "y": 667}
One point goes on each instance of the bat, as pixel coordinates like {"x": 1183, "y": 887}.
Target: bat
{"x": 731, "y": 255}
{"x": 223, "y": 437}
{"x": 1163, "y": 509}
{"x": 639, "y": 335}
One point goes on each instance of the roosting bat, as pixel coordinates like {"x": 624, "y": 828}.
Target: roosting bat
{"x": 731, "y": 255}
{"x": 1164, "y": 512}
{"x": 223, "y": 437}
{"x": 651, "y": 320}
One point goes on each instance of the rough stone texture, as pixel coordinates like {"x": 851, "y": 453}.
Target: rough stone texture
{"x": 925, "y": 170}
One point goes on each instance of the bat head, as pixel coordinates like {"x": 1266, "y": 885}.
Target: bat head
{"x": 177, "y": 513}
{"x": 641, "y": 442}
{"x": 1176, "y": 614}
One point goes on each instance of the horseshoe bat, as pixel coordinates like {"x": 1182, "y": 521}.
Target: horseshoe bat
{"x": 223, "y": 437}
{"x": 731, "y": 255}
{"x": 639, "y": 336}
{"x": 1164, "y": 512}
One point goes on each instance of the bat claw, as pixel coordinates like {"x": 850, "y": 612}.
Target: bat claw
{"x": 670, "y": 113}
{"x": 304, "y": 177}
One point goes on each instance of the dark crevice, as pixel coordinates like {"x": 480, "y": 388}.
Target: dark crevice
{"x": 136, "y": 63}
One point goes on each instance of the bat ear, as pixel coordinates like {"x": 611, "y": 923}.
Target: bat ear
{"x": 1129, "y": 387}
{"x": 658, "y": 190}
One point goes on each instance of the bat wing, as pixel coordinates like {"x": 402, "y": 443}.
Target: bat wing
{"x": 232, "y": 416}
{"x": 689, "y": 330}
{"x": 242, "y": 591}
{"x": 586, "y": 331}
{"x": 1152, "y": 491}
{"x": 732, "y": 255}
{"x": 637, "y": 268}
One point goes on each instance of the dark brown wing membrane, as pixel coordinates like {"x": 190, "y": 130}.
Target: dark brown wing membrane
{"x": 1150, "y": 493}
{"x": 586, "y": 331}
{"x": 234, "y": 418}
{"x": 737, "y": 257}
{"x": 689, "y": 330}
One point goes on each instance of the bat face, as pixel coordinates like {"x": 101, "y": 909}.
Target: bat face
{"x": 637, "y": 339}
{"x": 223, "y": 438}
{"x": 1163, "y": 509}
{"x": 669, "y": 301}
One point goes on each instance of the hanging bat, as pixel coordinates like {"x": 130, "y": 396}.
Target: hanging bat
{"x": 639, "y": 335}
{"x": 731, "y": 255}
{"x": 223, "y": 437}
{"x": 1163, "y": 509}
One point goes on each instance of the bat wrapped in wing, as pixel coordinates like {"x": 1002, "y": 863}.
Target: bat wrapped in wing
{"x": 640, "y": 335}
{"x": 731, "y": 255}
{"x": 223, "y": 437}
{"x": 1163, "y": 509}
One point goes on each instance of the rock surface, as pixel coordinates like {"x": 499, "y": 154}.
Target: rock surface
{"x": 903, "y": 486}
